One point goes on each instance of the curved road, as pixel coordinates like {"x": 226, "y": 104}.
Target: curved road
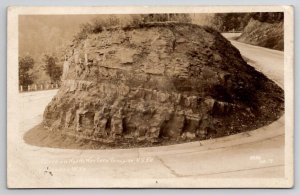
{"x": 255, "y": 154}
{"x": 268, "y": 61}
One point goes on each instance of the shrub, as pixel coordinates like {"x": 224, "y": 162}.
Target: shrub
{"x": 52, "y": 69}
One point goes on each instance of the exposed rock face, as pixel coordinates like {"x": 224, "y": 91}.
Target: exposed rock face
{"x": 264, "y": 34}
{"x": 159, "y": 82}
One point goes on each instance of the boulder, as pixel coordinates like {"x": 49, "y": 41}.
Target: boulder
{"x": 157, "y": 82}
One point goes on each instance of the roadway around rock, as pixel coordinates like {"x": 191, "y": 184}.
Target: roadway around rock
{"x": 254, "y": 154}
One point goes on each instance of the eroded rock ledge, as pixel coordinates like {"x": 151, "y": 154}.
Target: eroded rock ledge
{"x": 157, "y": 83}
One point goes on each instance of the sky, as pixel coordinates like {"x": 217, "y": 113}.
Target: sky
{"x": 46, "y": 33}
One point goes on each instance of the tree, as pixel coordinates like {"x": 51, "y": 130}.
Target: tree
{"x": 25, "y": 71}
{"x": 270, "y": 17}
{"x": 51, "y": 68}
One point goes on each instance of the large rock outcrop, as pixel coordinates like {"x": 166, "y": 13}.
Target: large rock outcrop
{"x": 159, "y": 82}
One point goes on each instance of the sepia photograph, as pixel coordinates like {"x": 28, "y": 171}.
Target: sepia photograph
{"x": 150, "y": 97}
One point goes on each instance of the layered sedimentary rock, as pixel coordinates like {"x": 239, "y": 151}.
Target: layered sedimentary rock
{"x": 159, "y": 81}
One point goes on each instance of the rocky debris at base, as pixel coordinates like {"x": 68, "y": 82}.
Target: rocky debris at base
{"x": 159, "y": 82}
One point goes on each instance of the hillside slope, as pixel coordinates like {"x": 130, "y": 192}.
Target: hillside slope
{"x": 263, "y": 34}
{"x": 156, "y": 83}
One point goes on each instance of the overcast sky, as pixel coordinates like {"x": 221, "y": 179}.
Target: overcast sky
{"x": 43, "y": 33}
